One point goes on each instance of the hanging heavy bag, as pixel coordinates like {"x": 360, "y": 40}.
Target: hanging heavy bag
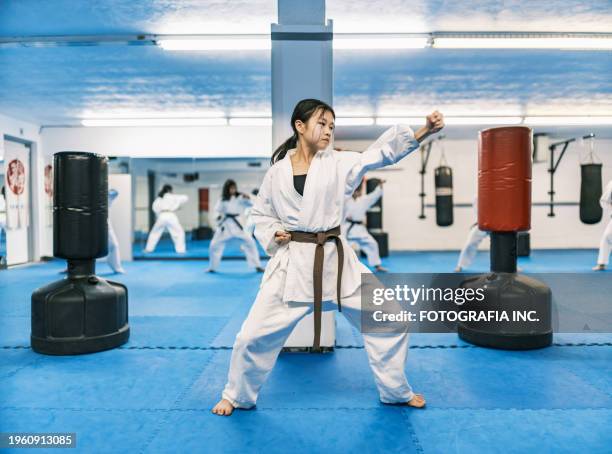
{"x": 590, "y": 185}
{"x": 590, "y": 192}
{"x": 444, "y": 195}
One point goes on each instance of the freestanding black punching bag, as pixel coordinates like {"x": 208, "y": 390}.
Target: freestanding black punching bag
{"x": 82, "y": 313}
{"x": 444, "y": 195}
{"x": 590, "y": 193}
{"x": 504, "y": 209}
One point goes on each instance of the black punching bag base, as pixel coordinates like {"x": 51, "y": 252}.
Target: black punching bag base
{"x": 79, "y": 314}
{"x": 504, "y": 341}
{"x": 510, "y": 292}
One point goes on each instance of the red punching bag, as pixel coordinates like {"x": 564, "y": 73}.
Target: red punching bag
{"x": 504, "y": 179}
{"x": 504, "y": 208}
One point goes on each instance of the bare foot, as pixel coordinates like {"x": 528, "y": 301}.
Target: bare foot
{"x": 458, "y": 269}
{"x": 223, "y": 408}
{"x": 381, "y": 269}
{"x": 599, "y": 267}
{"x": 417, "y": 401}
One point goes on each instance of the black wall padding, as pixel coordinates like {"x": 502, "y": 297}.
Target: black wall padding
{"x": 523, "y": 244}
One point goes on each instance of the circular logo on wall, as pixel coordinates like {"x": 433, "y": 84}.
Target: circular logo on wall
{"x": 49, "y": 180}
{"x": 15, "y": 176}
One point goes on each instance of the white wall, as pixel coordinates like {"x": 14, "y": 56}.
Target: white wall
{"x": 207, "y": 141}
{"x": 29, "y": 132}
{"x": 401, "y": 204}
{"x": 401, "y": 201}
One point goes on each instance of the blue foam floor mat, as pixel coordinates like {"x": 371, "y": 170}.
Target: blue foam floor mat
{"x": 154, "y": 393}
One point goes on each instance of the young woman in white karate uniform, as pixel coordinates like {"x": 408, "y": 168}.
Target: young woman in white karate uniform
{"x": 164, "y": 207}
{"x": 353, "y": 227}
{"x": 605, "y": 245}
{"x": 231, "y": 205}
{"x": 297, "y": 217}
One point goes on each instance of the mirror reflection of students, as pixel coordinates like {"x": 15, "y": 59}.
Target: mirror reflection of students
{"x": 231, "y": 205}
{"x": 165, "y": 206}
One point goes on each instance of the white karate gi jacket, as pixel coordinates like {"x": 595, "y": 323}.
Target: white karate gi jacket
{"x": 332, "y": 176}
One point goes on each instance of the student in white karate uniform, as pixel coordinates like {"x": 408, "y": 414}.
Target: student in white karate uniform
{"x": 475, "y": 237}
{"x": 114, "y": 256}
{"x": 249, "y": 226}
{"x": 301, "y": 200}
{"x": 353, "y": 227}
{"x": 164, "y": 207}
{"x": 231, "y": 205}
{"x": 605, "y": 245}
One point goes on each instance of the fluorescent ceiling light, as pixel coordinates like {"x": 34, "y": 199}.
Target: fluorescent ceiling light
{"x": 354, "y": 121}
{"x": 390, "y": 121}
{"x": 195, "y": 114}
{"x": 235, "y": 42}
{"x": 250, "y": 114}
{"x": 456, "y": 120}
{"x": 250, "y": 121}
{"x": 361, "y": 42}
{"x": 155, "y": 122}
{"x": 568, "y": 121}
{"x": 576, "y": 43}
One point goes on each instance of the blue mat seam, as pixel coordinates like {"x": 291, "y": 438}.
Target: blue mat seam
{"x": 264, "y": 409}
{"x": 413, "y": 436}
{"x": 155, "y": 432}
{"x": 345, "y": 347}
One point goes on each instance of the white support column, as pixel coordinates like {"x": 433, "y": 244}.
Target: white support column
{"x": 302, "y": 61}
{"x": 302, "y": 67}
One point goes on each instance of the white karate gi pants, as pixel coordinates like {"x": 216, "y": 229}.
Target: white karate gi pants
{"x": 605, "y": 245}
{"x": 269, "y": 324}
{"x": 114, "y": 258}
{"x": 220, "y": 239}
{"x": 470, "y": 249}
{"x": 366, "y": 242}
{"x": 169, "y": 221}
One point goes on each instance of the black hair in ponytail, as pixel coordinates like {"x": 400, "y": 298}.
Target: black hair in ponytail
{"x": 165, "y": 189}
{"x": 303, "y": 111}
{"x": 225, "y": 194}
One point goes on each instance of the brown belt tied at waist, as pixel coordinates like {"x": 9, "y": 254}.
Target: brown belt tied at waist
{"x": 320, "y": 238}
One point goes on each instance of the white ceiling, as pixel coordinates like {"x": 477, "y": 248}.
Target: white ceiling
{"x": 60, "y": 85}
